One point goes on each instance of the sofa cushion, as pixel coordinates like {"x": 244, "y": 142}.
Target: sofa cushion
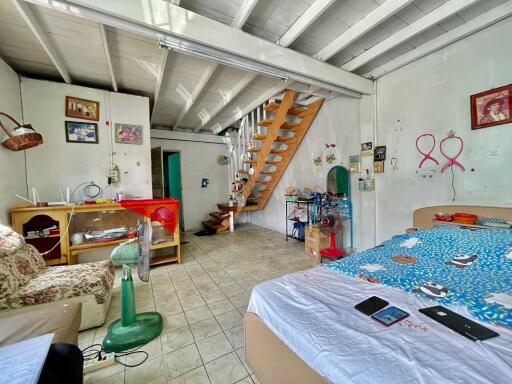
{"x": 18, "y": 268}
{"x": 10, "y": 241}
{"x": 58, "y": 283}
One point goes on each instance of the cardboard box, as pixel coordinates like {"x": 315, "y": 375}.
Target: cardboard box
{"x": 315, "y": 241}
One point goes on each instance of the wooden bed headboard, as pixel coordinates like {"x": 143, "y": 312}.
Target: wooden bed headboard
{"x": 422, "y": 218}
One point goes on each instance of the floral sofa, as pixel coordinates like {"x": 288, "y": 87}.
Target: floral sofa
{"x": 26, "y": 282}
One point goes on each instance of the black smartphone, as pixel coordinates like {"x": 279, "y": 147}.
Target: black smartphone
{"x": 389, "y": 316}
{"x": 371, "y": 305}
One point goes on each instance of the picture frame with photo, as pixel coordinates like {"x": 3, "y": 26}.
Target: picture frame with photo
{"x": 81, "y": 132}
{"x": 491, "y": 108}
{"x": 82, "y": 108}
{"x": 128, "y": 133}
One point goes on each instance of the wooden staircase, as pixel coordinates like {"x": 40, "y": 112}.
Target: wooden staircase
{"x": 273, "y": 149}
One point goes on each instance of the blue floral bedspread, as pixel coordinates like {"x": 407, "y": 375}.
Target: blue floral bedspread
{"x": 448, "y": 264}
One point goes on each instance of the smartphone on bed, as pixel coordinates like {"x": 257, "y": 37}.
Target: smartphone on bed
{"x": 371, "y": 305}
{"x": 389, "y": 316}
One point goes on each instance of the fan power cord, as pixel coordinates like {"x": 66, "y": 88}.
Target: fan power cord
{"x": 95, "y": 352}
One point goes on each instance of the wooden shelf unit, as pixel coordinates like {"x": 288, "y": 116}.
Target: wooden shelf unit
{"x": 67, "y": 217}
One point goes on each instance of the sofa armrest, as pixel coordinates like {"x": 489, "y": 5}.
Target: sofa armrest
{"x": 61, "y": 319}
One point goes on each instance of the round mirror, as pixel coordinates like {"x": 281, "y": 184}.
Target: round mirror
{"x": 338, "y": 181}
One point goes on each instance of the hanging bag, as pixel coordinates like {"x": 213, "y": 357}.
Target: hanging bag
{"x": 28, "y": 138}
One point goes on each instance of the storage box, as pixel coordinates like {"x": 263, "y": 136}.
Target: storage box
{"x": 315, "y": 242}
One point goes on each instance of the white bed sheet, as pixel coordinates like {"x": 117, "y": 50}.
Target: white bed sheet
{"x": 313, "y": 313}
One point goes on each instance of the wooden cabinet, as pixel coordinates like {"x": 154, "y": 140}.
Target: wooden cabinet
{"x": 43, "y": 227}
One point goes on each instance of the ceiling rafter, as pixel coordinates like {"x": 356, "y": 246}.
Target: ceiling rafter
{"x": 276, "y": 89}
{"x": 201, "y": 85}
{"x": 106, "y": 48}
{"x": 432, "y": 18}
{"x": 304, "y": 21}
{"x": 158, "y": 86}
{"x": 163, "y": 64}
{"x": 238, "y": 22}
{"x": 234, "y": 92}
{"x": 490, "y": 17}
{"x": 41, "y": 36}
{"x": 367, "y": 23}
{"x": 243, "y": 13}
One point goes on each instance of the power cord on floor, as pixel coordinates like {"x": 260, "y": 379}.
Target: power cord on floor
{"x": 94, "y": 352}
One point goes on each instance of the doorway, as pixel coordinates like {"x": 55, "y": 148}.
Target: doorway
{"x": 172, "y": 179}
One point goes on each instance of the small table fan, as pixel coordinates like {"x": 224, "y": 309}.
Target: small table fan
{"x": 330, "y": 223}
{"x": 133, "y": 329}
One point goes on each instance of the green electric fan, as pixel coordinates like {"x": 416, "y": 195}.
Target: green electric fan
{"x": 133, "y": 329}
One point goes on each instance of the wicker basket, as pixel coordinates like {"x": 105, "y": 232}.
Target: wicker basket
{"x": 20, "y": 142}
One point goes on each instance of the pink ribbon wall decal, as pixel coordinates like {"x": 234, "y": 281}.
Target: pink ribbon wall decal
{"x": 426, "y": 156}
{"x": 452, "y": 160}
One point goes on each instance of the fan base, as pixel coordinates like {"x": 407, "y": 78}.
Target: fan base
{"x": 332, "y": 253}
{"x": 147, "y": 326}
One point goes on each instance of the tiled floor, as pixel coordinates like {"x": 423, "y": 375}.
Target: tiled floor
{"x": 202, "y": 301}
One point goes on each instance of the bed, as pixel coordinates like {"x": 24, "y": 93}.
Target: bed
{"x": 302, "y": 328}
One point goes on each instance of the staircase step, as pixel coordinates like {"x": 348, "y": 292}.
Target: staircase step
{"x": 219, "y": 215}
{"x": 278, "y": 151}
{"x": 259, "y": 136}
{"x": 212, "y": 224}
{"x": 254, "y": 207}
{"x": 285, "y": 125}
{"x": 254, "y": 149}
{"x": 249, "y": 162}
{"x": 265, "y": 122}
{"x": 284, "y": 139}
{"x": 294, "y": 111}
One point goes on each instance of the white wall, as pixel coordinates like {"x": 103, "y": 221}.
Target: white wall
{"x": 12, "y": 164}
{"x": 338, "y": 122}
{"x": 57, "y": 163}
{"x": 431, "y": 95}
{"x": 198, "y": 155}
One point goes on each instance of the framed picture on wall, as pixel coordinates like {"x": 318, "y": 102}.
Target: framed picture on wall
{"x": 128, "y": 133}
{"x": 490, "y": 108}
{"x": 82, "y": 109}
{"x": 79, "y": 132}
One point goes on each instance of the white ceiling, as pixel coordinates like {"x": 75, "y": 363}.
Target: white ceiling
{"x": 136, "y": 60}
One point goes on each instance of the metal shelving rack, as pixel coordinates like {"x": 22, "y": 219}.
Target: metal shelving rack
{"x": 289, "y": 205}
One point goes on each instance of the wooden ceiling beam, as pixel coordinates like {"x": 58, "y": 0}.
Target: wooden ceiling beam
{"x": 491, "y": 17}
{"x": 432, "y": 18}
{"x": 314, "y": 11}
{"x": 367, "y": 23}
{"x": 108, "y": 57}
{"x": 239, "y": 87}
{"x": 41, "y": 36}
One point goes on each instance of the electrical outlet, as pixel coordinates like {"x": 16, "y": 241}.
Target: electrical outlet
{"x": 113, "y": 174}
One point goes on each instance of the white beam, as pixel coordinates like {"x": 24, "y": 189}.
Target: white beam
{"x": 163, "y": 62}
{"x": 370, "y": 21}
{"x": 304, "y": 21}
{"x": 432, "y": 18}
{"x": 178, "y": 23}
{"x": 207, "y": 74}
{"x": 276, "y": 89}
{"x": 41, "y": 36}
{"x": 243, "y": 13}
{"x": 474, "y": 25}
{"x": 106, "y": 48}
{"x": 239, "y": 87}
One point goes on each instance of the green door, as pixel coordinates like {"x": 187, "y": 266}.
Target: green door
{"x": 174, "y": 172}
